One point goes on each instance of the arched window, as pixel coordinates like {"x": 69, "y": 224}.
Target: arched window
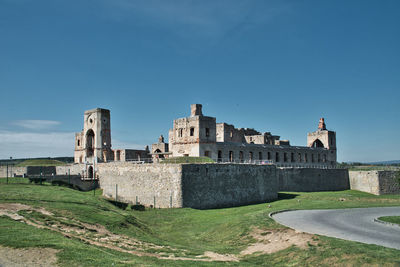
{"x": 90, "y": 172}
{"x": 317, "y": 143}
{"x": 90, "y": 142}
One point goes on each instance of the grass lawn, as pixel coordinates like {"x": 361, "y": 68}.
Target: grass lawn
{"x": 40, "y": 162}
{"x": 186, "y": 233}
{"x": 391, "y": 219}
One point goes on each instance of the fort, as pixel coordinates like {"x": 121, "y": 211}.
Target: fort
{"x": 245, "y": 166}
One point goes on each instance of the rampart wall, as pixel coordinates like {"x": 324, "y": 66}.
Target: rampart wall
{"x": 158, "y": 185}
{"x": 188, "y": 185}
{"x": 375, "y": 182}
{"x": 17, "y": 171}
{"x": 75, "y": 169}
{"x": 312, "y": 180}
{"x": 226, "y": 185}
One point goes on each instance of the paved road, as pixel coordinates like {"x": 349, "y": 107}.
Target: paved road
{"x": 349, "y": 224}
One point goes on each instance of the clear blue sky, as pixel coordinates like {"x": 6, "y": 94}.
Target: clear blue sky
{"x": 271, "y": 65}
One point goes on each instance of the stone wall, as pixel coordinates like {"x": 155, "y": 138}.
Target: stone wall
{"x": 74, "y": 169}
{"x": 158, "y": 185}
{"x": 12, "y": 171}
{"x": 188, "y": 185}
{"x": 225, "y": 185}
{"x": 375, "y": 182}
{"x": 312, "y": 180}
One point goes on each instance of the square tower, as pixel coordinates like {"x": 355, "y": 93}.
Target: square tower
{"x": 94, "y": 142}
{"x": 325, "y": 139}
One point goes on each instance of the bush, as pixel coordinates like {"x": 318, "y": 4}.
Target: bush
{"x": 138, "y": 207}
{"x": 119, "y": 204}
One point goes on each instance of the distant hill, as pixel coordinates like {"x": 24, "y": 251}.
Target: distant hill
{"x": 389, "y": 162}
{"x": 38, "y": 161}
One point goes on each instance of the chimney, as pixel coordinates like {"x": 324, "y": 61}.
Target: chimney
{"x": 195, "y": 110}
{"x": 321, "y": 125}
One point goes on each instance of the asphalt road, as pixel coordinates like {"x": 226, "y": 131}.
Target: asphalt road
{"x": 349, "y": 224}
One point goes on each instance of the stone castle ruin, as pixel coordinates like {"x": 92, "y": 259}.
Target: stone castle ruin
{"x": 249, "y": 166}
{"x": 202, "y": 136}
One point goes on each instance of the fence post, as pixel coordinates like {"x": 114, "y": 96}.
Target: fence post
{"x": 40, "y": 175}
{"x": 154, "y": 201}
{"x": 170, "y": 201}
{"x": 116, "y": 192}
{"x": 136, "y": 200}
{"x": 7, "y": 173}
{"x": 69, "y": 177}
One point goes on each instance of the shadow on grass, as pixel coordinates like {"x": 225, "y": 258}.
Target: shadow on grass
{"x": 286, "y": 196}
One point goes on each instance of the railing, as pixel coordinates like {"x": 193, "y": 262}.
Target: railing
{"x": 205, "y": 160}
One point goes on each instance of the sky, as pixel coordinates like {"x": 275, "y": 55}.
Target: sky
{"x": 275, "y": 66}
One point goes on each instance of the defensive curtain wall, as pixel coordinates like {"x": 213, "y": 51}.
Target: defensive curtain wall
{"x": 215, "y": 185}
{"x": 211, "y": 185}
{"x": 14, "y": 171}
{"x": 312, "y": 180}
{"x": 188, "y": 185}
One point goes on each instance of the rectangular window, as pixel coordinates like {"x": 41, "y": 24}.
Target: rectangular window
{"x": 292, "y": 157}
{"x": 219, "y": 155}
{"x": 207, "y": 153}
{"x": 305, "y": 157}
{"x": 299, "y": 157}
{"x": 285, "y": 157}
{"x": 277, "y": 157}
{"x": 180, "y": 132}
{"x": 207, "y": 132}
{"x": 251, "y": 156}
{"x": 241, "y": 156}
{"x": 260, "y": 155}
{"x": 192, "y": 131}
{"x": 269, "y": 155}
{"x": 312, "y": 158}
{"x": 231, "y": 156}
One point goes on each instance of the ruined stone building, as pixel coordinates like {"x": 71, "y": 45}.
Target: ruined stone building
{"x": 202, "y": 136}
{"x": 93, "y": 144}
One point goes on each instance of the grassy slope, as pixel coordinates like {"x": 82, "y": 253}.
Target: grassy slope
{"x": 220, "y": 230}
{"x": 40, "y": 162}
{"x": 391, "y": 219}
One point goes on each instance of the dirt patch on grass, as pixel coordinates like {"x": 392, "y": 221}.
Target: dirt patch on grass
{"x": 98, "y": 235}
{"x": 11, "y": 257}
{"x": 267, "y": 241}
{"x": 270, "y": 241}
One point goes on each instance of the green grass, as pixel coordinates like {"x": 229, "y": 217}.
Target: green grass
{"x": 391, "y": 219}
{"x": 374, "y": 168}
{"x": 188, "y": 160}
{"x": 40, "y": 162}
{"x": 197, "y": 231}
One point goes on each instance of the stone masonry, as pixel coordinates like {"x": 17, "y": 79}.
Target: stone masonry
{"x": 202, "y": 136}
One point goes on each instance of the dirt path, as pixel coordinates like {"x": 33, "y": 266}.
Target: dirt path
{"x": 266, "y": 241}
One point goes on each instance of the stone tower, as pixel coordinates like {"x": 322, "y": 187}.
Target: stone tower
{"x": 323, "y": 138}
{"x": 94, "y": 142}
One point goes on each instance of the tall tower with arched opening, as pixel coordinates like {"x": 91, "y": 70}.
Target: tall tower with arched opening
{"x": 94, "y": 142}
{"x": 325, "y": 139}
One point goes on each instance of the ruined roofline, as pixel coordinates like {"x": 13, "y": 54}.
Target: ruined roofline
{"x": 227, "y": 143}
{"x": 97, "y": 110}
{"x": 249, "y": 129}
